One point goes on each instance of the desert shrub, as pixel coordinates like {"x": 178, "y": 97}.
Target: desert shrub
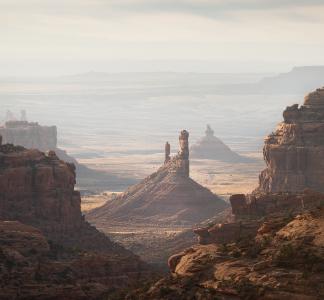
{"x": 223, "y": 248}
{"x": 247, "y": 290}
{"x": 164, "y": 291}
{"x": 285, "y": 256}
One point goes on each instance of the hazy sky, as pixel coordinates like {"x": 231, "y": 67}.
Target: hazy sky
{"x": 68, "y": 36}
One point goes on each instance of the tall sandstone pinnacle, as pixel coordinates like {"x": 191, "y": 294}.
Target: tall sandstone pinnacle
{"x": 168, "y": 196}
{"x": 294, "y": 153}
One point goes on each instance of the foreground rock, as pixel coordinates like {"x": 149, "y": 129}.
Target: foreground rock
{"x": 294, "y": 152}
{"x": 276, "y": 257}
{"x": 167, "y": 197}
{"x": 41, "y": 216}
{"x": 211, "y": 147}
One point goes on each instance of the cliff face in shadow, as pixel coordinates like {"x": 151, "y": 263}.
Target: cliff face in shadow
{"x": 40, "y": 211}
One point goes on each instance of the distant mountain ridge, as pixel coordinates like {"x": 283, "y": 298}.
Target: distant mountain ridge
{"x": 298, "y": 80}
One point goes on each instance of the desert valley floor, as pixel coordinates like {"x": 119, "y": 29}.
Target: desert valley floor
{"x": 222, "y": 178}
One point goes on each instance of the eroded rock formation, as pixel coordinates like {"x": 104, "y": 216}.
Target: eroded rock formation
{"x": 168, "y": 196}
{"x": 211, "y": 147}
{"x": 31, "y": 267}
{"x": 251, "y": 258}
{"x": 272, "y": 245}
{"x": 38, "y": 190}
{"x": 294, "y": 153}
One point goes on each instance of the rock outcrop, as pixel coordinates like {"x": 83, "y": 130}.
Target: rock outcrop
{"x": 276, "y": 257}
{"x": 272, "y": 246}
{"x": 33, "y": 268}
{"x": 294, "y": 153}
{"x": 211, "y": 147}
{"x": 38, "y": 190}
{"x": 168, "y": 196}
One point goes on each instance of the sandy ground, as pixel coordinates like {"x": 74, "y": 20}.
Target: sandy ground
{"x": 222, "y": 178}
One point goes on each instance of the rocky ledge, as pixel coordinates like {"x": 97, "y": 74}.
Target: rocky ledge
{"x": 277, "y": 257}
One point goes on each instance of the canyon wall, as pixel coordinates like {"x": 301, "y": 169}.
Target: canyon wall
{"x": 294, "y": 152}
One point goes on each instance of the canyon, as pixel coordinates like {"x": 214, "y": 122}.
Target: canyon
{"x": 271, "y": 244}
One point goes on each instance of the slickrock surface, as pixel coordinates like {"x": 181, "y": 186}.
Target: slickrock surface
{"x": 38, "y": 190}
{"x": 294, "y": 153}
{"x": 281, "y": 258}
{"x": 168, "y": 196}
{"x": 211, "y": 147}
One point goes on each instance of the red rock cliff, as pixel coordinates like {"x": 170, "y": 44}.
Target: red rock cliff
{"x": 38, "y": 189}
{"x": 294, "y": 153}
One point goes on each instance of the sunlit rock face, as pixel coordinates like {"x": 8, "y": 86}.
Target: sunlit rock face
{"x": 211, "y": 147}
{"x": 294, "y": 153}
{"x": 168, "y": 196}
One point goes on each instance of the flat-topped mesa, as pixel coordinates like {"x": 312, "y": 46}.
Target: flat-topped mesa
{"x": 294, "y": 153}
{"x": 29, "y": 135}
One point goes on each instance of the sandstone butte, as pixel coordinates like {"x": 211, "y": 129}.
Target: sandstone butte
{"x": 271, "y": 246}
{"x": 168, "y": 196}
{"x": 211, "y": 147}
{"x": 47, "y": 249}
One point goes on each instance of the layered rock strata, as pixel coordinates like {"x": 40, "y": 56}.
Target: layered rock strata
{"x": 46, "y": 246}
{"x": 294, "y": 153}
{"x": 38, "y": 190}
